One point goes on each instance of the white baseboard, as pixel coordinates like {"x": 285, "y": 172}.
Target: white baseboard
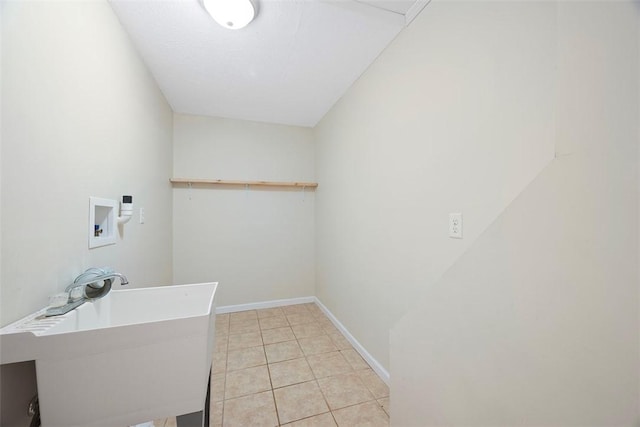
{"x": 375, "y": 365}
{"x": 264, "y": 304}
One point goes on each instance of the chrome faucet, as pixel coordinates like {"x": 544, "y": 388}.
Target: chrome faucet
{"x": 93, "y": 284}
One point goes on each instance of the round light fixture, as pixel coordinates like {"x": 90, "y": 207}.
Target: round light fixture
{"x": 231, "y": 14}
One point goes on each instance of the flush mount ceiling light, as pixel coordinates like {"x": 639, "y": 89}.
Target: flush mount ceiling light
{"x": 231, "y": 14}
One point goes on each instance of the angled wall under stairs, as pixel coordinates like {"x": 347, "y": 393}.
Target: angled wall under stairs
{"x": 537, "y": 323}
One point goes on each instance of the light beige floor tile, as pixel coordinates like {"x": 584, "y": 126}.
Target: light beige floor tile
{"x": 215, "y": 414}
{"x": 355, "y": 360}
{"x": 245, "y": 358}
{"x": 322, "y": 420}
{"x": 171, "y": 422}
{"x": 221, "y": 343}
{"x": 324, "y": 321}
{"x": 249, "y": 339}
{"x": 283, "y": 351}
{"x": 256, "y": 410}
{"x": 384, "y": 402}
{"x": 300, "y": 318}
{"x": 307, "y": 330}
{"x": 222, "y": 330}
{"x": 329, "y": 327}
{"x": 247, "y": 381}
{"x": 372, "y": 381}
{"x": 243, "y": 326}
{"x": 339, "y": 340}
{"x": 295, "y": 309}
{"x": 319, "y": 316}
{"x": 243, "y": 315}
{"x": 222, "y": 324}
{"x": 317, "y": 345}
{"x": 269, "y": 312}
{"x": 217, "y": 387}
{"x": 327, "y": 324}
{"x": 273, "y": 322}
{"x": 290, "y": 372}
{"x": 344, "y": 390}
{"x": 314, "y": 308}
{"x": 299, "y": 401}
{"x": 271, "y": 336}
{"x": 219, "y": 363}
{"x": 368, "y": 414}
{"x": 222, "y": 318}
{"x": 328, "y": 364}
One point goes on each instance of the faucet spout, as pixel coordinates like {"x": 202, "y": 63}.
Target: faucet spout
{"x": 93, "y": 284}
{"x": 97, "y": 282}
{"x": 95, "y": 277}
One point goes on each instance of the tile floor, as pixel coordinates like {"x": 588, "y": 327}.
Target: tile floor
{"x": 289, "y": 366}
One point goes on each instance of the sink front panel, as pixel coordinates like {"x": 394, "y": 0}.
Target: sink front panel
{"x": 127, "y": 386}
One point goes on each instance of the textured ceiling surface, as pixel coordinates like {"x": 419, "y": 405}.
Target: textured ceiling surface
{"x": 289, "y": 66}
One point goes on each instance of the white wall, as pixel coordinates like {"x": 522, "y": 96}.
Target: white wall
{"x": 81, "y": 116}
{"x": 453, "y": 117}
{"x": 537, "y": 324}
{"x": 257, "y": 243}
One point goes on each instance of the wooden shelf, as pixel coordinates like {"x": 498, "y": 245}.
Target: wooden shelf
{"x": 242, "y": 183}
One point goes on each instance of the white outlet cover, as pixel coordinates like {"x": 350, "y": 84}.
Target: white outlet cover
{"x": 455, "y": 225}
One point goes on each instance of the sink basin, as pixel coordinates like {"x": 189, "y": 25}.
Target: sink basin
{"x": 132, "y": 356}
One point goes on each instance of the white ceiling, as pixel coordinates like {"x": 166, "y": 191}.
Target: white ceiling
{"x": 289, "y": 66}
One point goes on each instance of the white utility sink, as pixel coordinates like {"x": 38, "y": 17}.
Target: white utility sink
{"x": 129, "y": 357}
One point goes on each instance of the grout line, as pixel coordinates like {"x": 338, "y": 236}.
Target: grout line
{"x": 325, "y": 398}
{"x": 306, "y": 357}
{"x": 226, "y": 363}
{"x": 334, "y": 417}
{"x": 311, "y": 416}
{"x": 264, "y": 351}
{"x": 273, "y": 395}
